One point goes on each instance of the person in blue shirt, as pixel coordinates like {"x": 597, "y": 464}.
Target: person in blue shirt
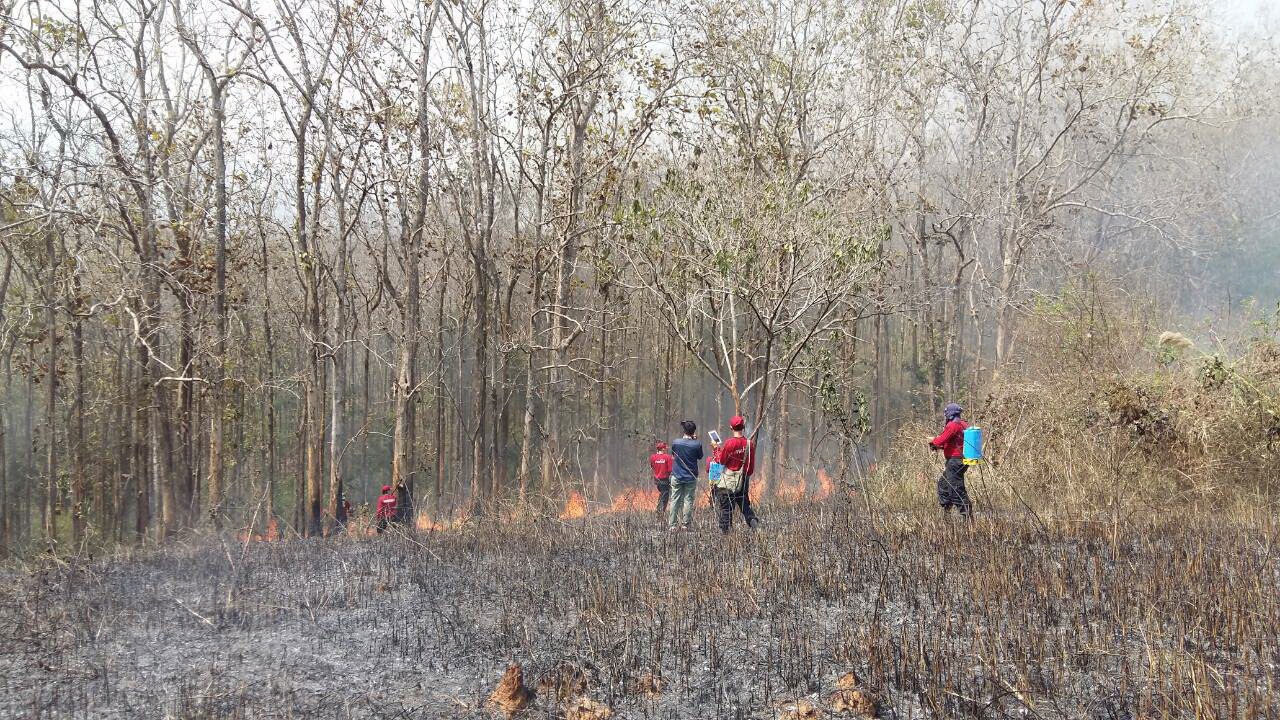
{"x": 688, "y": 455}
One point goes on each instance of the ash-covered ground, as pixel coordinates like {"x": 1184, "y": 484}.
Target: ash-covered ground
{"x": 1001, "y": 618}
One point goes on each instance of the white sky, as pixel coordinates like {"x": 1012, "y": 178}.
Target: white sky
{"x": 1244, "y": 14}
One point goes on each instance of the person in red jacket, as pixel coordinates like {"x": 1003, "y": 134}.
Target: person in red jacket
{"x": 737, "y": 454}
{"x": 662, "y": 462}
{"x": 951, "y": 489}
{"x": 386, "y": 512}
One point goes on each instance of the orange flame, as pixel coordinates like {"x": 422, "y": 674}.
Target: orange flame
{"x": 271, "y": 535}
{"x": 791, "y": 491}
{"x": 635, "y": 499}
{"x": 426, "y": 524}
{"x": 575, "y": 508}
{"x": 826, "y": 485}
{"x": 758, "y": 488}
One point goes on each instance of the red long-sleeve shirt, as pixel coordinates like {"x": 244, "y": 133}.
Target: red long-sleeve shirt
{"x": 387, "y": 506}
{"x": 661, "y": 464}
{"x": 951, "y": 440}
{"x": 738, "y": 453}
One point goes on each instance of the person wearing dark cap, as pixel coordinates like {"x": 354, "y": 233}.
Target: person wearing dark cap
{"x": 386, "y": 512}
{"x": 687, "y": 453}
{"x": 951, "y": 489}
{"x": 661, "y": 463}
{"x": 738, "y": 456}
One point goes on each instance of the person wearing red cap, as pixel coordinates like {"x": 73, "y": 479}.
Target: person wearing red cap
{"x": 738, "y": 455}
{"x": 386, "y": 512}
{"x": 661, "y": 462}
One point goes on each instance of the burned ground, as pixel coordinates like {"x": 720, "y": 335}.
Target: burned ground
{"x": 1005, "y": 618}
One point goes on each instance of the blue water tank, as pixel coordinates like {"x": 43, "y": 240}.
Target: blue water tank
{"x": 972, "y": 445}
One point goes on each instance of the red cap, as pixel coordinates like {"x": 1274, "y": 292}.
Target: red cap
{"x": 661, "y": 445}
{"x": 386, "y": 488}
{"x": 737, "y": 423}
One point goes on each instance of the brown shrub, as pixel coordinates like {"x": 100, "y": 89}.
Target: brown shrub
{"x": 510, "y": 696}
{"x": 850, "y": 698}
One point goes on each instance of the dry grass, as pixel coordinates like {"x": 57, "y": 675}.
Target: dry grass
{"x": 1155, "y": 617}
{"x": 1101, "y": 416}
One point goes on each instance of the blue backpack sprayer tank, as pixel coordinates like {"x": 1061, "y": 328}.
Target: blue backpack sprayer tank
{"x": 972, "y": 445}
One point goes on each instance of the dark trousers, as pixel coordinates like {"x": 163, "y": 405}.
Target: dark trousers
{"x": 726, "y": 501}
{"x": 951, "y": 489}
{"x": 664, "y": 495}
{"x": 382, "y": 524}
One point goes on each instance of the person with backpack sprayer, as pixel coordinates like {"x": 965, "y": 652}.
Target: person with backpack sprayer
{"x": 951, "y": 489}
{"x": 733, "y": 488}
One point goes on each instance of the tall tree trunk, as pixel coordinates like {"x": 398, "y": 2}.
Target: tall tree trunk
{"x": 141, "y": 458}
{"x": 601, "y": 421}
{"x": 78, "y": 497}
{"x": 4, "y": 457}
{"x": 30, "y": 479}
{"x": 313, "y": 391}
{"x": 501, "y": 408}
{"x": 560, "y": 337}
{"x": 782, "y": 435}
{"x": 441, "y": 440}
{"x": 338, "y": 388}
{"x": 5, "y": 538}
{"x": 365, "y": 358}
{"x": 185, "y": 462}
{"x": 479, "y": 375}
{"x": 49, "y": 512}
{"x": 404, "y": 439}
{"x": 531, "y": 394}
{"x": 123, "y": 471}
{"x": 217, "y": 414}
{"x": 268, "y": 395}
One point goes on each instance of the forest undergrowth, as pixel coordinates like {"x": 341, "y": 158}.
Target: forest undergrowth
{"x": 826, "y": 612}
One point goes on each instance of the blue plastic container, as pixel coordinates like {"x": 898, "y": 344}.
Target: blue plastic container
{"x": 972, "y": 445}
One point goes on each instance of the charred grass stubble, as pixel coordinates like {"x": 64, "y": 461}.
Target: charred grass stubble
{"x": 998, "y": 618}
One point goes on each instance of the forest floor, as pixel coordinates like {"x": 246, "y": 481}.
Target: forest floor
{"x": 1004, "y": 617}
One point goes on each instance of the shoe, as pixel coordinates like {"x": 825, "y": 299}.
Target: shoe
{"x": 686, "y": 528}
{"x": 754, "y": 524}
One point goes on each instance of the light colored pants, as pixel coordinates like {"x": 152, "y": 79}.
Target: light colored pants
{"x": 680, "y": 509}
